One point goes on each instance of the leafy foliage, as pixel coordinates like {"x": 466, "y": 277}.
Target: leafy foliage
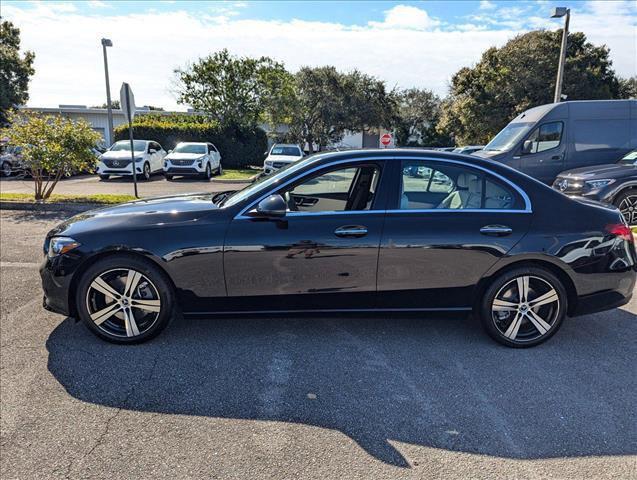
{"x": 628, "y": 87}
{"x": 52, "y": 146}
{"x": 235, "y": 91}
{"x": 521, "y": 75}
{"x": 418, "y": 116}
{"x": 239, "y": 146}
{"x": 15, "y": 71}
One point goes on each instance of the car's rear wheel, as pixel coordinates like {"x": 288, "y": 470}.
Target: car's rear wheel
{"x": 6, "y": 169}
{"x": 124, "y": 299}
{"x": 627, "y": 204}
{"x": 524, "y": 307}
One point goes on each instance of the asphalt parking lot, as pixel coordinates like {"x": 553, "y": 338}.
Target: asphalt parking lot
{"x": 91, "y": 184}
{"x": 323, "y": 397}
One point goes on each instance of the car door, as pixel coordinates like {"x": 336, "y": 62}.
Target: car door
{"x": 441, "y": 236}
{"x": 545, "y": 157}
{"x": 322, "y": 255}
{"x": 213, "y": 155}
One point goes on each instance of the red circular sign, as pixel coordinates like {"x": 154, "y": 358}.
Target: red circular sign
{"x": 385, "y": 139}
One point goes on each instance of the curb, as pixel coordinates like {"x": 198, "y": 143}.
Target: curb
{"x": 50, "y": 207}
{"x": 230, "y": 182}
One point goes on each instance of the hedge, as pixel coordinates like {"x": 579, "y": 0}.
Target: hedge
{"x": 239, "y": 146}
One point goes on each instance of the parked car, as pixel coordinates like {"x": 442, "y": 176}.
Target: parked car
{"x": 149, "y": 158}
{"x": 468, "y": 150}
{"x": 11, "y": 161}
{"x": 347, "y": 231}
{"x": 281, "y": 155}
{"x": 549, "y": 139}
{"x": 193, "y": 159}
{"x": 614, "y": 183}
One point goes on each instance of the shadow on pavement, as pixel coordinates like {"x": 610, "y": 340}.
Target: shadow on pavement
{"x": 430, "y": 382}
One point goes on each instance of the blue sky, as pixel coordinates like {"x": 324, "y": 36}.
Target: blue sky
{"x": 408, "y": 44}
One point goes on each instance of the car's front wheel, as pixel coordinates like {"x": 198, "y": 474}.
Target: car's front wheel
{"x": 146, "y": 172}
{"x": 524, "y": 307}
{"x": 208, "y": 173}
{"x": 6, "y": 169}
{"x": 627, "y": 204}
{"x": 125, "y": 299}
{"x": 104, "y": 177}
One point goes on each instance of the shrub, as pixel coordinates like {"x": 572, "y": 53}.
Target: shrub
{"x": 239, "y": 146}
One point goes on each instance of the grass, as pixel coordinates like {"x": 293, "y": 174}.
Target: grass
{"x": 237, "y": 174}
{"x": 102, "y": 199}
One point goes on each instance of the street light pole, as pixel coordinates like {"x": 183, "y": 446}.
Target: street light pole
{"x": 557, "y": 13}
{"x": 107, "y": 43}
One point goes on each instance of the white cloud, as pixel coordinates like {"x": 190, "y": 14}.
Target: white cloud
{"x": 98, "y": 4}
{"x": 420, "y": 51}
{"x": 487, "y": 5}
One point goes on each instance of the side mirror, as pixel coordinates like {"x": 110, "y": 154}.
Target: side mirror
{"x": 152, "y": 150}
{"x": 170, "y": 151}
{"x": 527, "y": 146}
{"x": 272, "y": 206}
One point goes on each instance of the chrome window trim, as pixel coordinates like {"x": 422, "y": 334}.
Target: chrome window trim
{"x": 527, "y": 201}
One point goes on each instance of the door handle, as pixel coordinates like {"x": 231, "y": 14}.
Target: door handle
{"x": 351, "y": 231}
{"x": 557, "y": 157}
{"x": 496, "y": 230}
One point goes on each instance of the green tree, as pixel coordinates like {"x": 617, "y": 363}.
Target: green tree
{"x": 325, "y": 103}
{"x": 521, "y": 75}
{"x": 52, "y": 146}
{"x": 628, "y": 87}
{"x": 15, "y": 70}
{"x": 418, "y": 116}
{"x": 233, "y": 90}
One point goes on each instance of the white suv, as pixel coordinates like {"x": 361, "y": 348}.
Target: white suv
{"x": 193, "y": 158}
{"x": 149, "y": 158}
{"x": 281, "y": 155}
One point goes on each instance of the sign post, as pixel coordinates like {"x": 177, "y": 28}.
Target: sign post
{"x": 127, "y": 103}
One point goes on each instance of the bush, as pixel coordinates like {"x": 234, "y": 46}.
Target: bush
{"x": 239, "y": 146}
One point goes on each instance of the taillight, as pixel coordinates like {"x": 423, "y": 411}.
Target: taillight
{"x": 622, "y": 231}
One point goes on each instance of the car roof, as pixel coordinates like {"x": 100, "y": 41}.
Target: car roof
{"x": 285, "y": 145}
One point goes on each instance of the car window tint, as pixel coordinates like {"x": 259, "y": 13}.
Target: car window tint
{"x": 426, "y": 186}
{"x": 546, "y": 137}
{"x": 337, "y": 190}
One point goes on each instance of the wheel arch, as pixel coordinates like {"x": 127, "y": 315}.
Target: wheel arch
{"x": 625, "y": 188}
{"x": 89, "y": 261}
{"x": 554, "y": 268}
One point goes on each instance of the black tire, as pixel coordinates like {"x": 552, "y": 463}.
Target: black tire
{"x": 146, "y": 172}
{"x": 207, "y": 174}
{"x": 104, "y": 177}
{"x": 626, "y": 201}
{"x": 114, "y": 329}
{"x": 498, "y": 323}
{"x": 220, "y": 170}
{"x": 169, "y": 178}
{"x": 6, "y": 169}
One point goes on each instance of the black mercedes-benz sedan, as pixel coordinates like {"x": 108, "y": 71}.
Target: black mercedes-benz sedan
{"x": 347, "y": 231}
{"x": 614, "y": 183}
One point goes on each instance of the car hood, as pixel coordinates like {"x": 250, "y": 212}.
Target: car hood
{"x": 490, "y": 154}
{"x": 283, "y": 158}
{"x": 184, "y": 156}
{"x": 142, "y": 214}
{"x": 119, "y": 155}
{"x": 611, "y": 170}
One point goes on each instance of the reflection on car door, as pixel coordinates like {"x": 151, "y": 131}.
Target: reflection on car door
{"x": 322, "y": 255}
{"x": 433, "y": 252}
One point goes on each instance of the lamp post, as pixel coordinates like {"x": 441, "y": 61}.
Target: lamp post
{"x": 107, "y": 43}
{"x": 559, "y": 12}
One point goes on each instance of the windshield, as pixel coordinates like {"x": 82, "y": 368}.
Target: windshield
{"x": 629, "y": 159}
{"x": 124, "y": 145}
{"x": 190, "y": 148}
{"x": 291, "y": 151}
{"x": 509, "y": 136}
{"x": 267, "y": 181}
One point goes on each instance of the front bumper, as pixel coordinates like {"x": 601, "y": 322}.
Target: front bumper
{"x": 103, "y": 169}
{"x": 57, "y": 277}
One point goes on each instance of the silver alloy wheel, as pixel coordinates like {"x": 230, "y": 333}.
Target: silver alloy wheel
{"x": 123, "y": 302}
{"x": 628, "y": 208}
{"x": 525, "y": 308}
{"x": 146, "y": 171}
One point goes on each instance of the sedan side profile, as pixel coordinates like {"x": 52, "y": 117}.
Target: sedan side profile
{"x": 347, "y": 231}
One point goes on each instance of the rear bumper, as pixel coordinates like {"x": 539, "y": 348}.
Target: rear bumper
{"x": 619, "y": 291}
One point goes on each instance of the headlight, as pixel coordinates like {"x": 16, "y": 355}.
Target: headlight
{"x": 61, "y": 245}
{"x": 595, "y": 184}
